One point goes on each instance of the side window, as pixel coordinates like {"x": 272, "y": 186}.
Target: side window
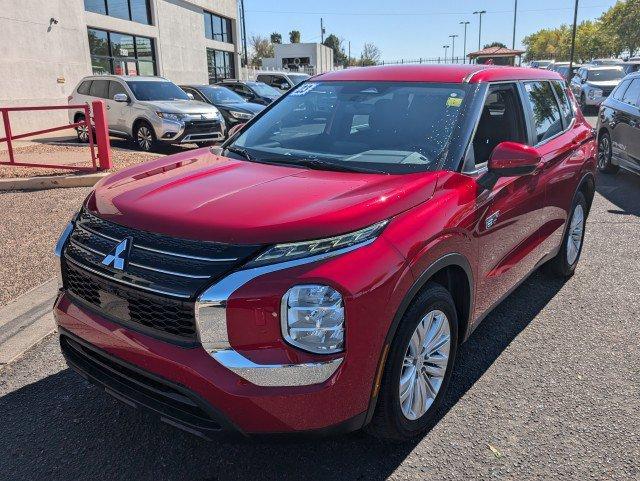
{"x": 84, "y": 87}
{"x": 501, "y": 120}
{"x": 99, "y": 88}
{"x": 545, "y": 110}
{"x": 632, "y": 95}
{"x": 620, "y": 90}
{"x": 115, "y": 88}
{"x": 565, "y": 105}
{"x": 264, "y": 78}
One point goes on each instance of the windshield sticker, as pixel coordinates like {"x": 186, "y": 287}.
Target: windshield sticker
{"x": 454, "y": 102}
{"x": 304, "y": 89}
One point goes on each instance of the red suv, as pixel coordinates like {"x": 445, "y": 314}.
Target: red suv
{"x": 319, "y": 271}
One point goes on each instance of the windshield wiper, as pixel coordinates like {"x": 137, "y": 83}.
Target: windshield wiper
{"x": 320, "y": 164}
{"x": 240, "y": 151}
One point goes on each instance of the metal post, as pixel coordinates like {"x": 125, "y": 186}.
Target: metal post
{"x": 445, "y": 52}
{"x": 515, "y": 18}
{"x": 480, "y": 13}
{"x": 464, "y": 55}
{"x": 453, "y": 45}
{"x": 321, "y": 31}
{"x": 573, "y": 38}
{"x": 102, "y": 134}
{"x": 244, "y": 36}
{"x": 8, "y": 135}
{"x": 349, "y": 59}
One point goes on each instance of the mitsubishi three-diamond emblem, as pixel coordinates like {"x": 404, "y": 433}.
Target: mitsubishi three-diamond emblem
{"x": 118, "y": 256}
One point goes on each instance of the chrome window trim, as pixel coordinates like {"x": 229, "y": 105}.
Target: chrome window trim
{"x": 63, "y": 239}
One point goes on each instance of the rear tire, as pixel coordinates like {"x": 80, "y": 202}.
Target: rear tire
{"x": 416, "y": 374}
{"x": 604, "y": 155}
{"x": 564, "y": 264}
{"x": 144, "y": 137}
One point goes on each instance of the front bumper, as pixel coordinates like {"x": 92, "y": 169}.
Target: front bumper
{"x": 260, "y": 384}
{"x": 189, "y": 131}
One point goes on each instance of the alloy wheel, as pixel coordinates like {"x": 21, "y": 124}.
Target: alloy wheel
{"x": 603, "y": 152}
{"x": 425, "y": 364}
{"x": 83, "y": 133}
{"x": 576, "y": 231}
{"x": 145, "y": 137}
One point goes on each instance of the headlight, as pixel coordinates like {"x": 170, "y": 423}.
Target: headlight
{"x": 240, "y": 115}
{"x": 171, "y": 116}
{"x": 312, "y": 318}
{"x": 298, "y": 250}
{"x": 595, "y": 93}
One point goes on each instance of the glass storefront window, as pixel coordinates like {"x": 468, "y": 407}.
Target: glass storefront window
{"x": 120, "y": 54}
{"x": 134, "y": 10}
{"x": 217, "y": 28}
{"x": 220, "y": 64}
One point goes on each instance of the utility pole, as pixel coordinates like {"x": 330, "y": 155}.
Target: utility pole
{"x": 464, "y": 55}
{"x": 453, "y": 46}
{"x": 480, "y": 13}
{"x": 244, "y": 35}
{"x": 573, "y": 38}
{"x": 445, "y": 47}
{"x": 349, "y": 59}
{"x": 321, "y": 30}
{"x": 515, "y": 17}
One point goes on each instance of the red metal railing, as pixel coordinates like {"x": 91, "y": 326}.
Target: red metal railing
{"x": 100, "y": 157}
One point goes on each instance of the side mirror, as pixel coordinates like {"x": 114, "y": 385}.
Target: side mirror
{"x": 284, "y": 86}
{"x": 190, "y": 95}
{"x": 121, "y": 97}
{"x": 510, "y": 159}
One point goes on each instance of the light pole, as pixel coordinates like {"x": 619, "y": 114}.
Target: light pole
{"x": 515, "y": 17}
{"x": 453, "y": 46}
{"x": 573, "y": 38}
{"x": 445, "y": 47}
{"x": 464, "y": 55}
{"x": 480, "y": 13}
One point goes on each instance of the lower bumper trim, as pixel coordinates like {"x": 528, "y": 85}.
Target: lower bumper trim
{"x": 277, "y": 375}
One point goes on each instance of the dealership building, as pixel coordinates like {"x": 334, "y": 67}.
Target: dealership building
{"x": 47, "y": 46}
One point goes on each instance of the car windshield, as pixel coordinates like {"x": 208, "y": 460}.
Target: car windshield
{"x": 154, "y": 90}
{"x": 220, "y": 95}
{"x": 602, "y": 75}
{"x": 263, "y": 89}
{"x": 297, "y": 78}
{"x": 392, "y": 127}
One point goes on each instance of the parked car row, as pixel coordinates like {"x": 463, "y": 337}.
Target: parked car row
{"x": 153, "y": 110}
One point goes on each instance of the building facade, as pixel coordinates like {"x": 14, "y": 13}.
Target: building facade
{"x": 47, "y": 46}
{"x": 309, "y": 57}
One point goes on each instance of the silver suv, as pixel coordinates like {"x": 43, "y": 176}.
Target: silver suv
{"x": 592, "y": 85}
{"x": 149, "y": 110}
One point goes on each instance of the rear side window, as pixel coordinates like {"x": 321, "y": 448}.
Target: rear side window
{"x": 84, "y": 87}
{"x": 620, "y": 90}
{"x": 632, "y": 94}
{"x": 565, "y": 105}
{"x": 545, "y": 110}
{"x": 99, "y": 88}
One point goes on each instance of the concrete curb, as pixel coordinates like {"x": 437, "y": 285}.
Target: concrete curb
{"x": 52, "y": 181}
{"x": 27, "y": 320}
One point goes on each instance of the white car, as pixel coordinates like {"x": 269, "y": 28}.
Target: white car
{"x": 282, "y": 81}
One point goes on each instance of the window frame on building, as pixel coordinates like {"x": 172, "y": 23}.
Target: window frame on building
{"x": 94, "y": 6}
{"x": 225, "y": 27}
{"x": 228, "y": 69}
{"x": 110, "y": 58}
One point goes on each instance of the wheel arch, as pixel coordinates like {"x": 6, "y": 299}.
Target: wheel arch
{"x": 137, "y": 122}
{"x": 588, "y": 188}
{"x": 453, "y": 272}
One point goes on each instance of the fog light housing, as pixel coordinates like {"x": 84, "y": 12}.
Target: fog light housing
{"x": 312, "y": 318}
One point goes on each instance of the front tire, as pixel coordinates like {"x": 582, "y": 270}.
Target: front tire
{"x": 82, "y": 131}
{"x": 144, "y": 137}
{"x": 564, "y": 264}
{"x": 604, "y": 155}
{"x": 418, "y": 368}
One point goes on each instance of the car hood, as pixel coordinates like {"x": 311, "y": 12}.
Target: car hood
{"x": 242, "y": 107}
{"x": 604, "y": 83}
{"x": 199, "y": 195}
{"x": 180, "y": 106}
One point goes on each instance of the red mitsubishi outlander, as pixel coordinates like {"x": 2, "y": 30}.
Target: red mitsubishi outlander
{"x": 319, "y": 272}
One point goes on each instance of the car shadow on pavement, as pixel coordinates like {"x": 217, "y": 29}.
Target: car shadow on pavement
{"x": 61, "y": 427}
{"x": 622, "y": 190}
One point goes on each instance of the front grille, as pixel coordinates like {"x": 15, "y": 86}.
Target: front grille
{"x": 202, "y": 127}
{"x": 173, "y": 403}
{"x": 157, "y": 289}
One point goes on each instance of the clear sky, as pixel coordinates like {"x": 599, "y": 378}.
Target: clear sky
{"x": 413, "y": 29}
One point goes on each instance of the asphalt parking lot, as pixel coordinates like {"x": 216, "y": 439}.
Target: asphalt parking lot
{"x": 548, "y": 387}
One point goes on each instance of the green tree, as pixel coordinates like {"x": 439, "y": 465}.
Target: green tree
{"x": 370, "y": 55}
{"x": 621, "y": 23}
{"x": 495, "y": 44}
{"x": 276, "y": 38}
{"x": 294, "y": 36}
{"x": 335, "y": 44}
{"x": 261, "y": 48}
